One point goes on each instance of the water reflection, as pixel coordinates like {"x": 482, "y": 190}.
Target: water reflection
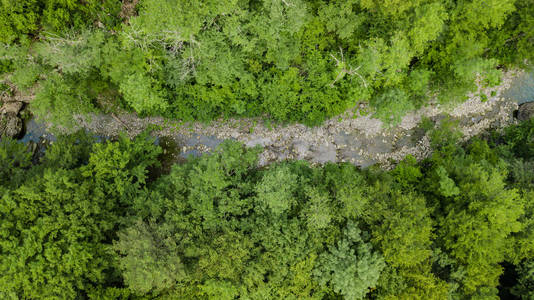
{"x": 36, "y": 132}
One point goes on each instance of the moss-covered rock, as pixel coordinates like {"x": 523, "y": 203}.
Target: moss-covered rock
{"x": 526, "y": 111}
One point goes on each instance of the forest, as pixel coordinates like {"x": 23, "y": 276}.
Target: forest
{"x": 96, "y": 220}
{"x": 288, "y": 60}
{"x": 86, "y": 217}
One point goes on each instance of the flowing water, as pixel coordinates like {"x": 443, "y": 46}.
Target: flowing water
{"x": 353, "y": 146}
{"x": 522, "y": 88}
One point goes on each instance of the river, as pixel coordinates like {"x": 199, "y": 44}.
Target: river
{"x": 362, "y": 141}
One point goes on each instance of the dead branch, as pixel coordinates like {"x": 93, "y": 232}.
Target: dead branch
{"x": 344, "y": 70}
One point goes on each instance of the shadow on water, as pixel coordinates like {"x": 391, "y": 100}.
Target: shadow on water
{"x": 36, "y": 132}
{"x": 172, "y": 151}
{"x": 38, "y": 138}
{"x": 170, "y": 155}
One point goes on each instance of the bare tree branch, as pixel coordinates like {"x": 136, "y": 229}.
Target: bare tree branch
{"x": 287, "y": 4}
{"x": 344, "y": 70}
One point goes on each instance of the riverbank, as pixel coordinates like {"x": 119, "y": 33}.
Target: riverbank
{"x": 352, "y": 137}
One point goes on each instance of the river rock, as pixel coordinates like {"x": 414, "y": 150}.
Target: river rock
{"x": 10, "y": 124}
{"x": 11, "y": 107}
{"x": 526, "y": 111}
{"x": 255, "y": 141}
{"x": 366, "y": 163}
{"x": 324, "y": 153}
{"x": 301, "y": 149}
{"x": 379, "y": 144}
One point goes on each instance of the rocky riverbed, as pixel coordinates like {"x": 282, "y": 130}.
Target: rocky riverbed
{"x": 352, "y": 137}
{"x": 12, "y": 105}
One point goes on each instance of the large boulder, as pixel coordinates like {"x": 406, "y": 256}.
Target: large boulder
{"x": 10, "y": 125}
{"x": 526, "y": 111}
{"x": 11, "y": 107}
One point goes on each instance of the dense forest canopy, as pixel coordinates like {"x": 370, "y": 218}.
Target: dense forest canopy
{"x": 293, "y": 60}
{"x": 85, "y": 218}
{"x": 94, "y": 220}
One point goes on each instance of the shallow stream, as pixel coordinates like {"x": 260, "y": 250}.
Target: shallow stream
{"x": 353, "y": 146}
{"x": 522, "y": 88}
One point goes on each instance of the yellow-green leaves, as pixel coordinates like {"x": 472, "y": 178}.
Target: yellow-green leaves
{"x": 351, "y": 268}
{"x": 275, "y": 192}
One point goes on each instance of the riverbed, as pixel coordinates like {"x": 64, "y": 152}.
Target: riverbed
{"x": 352, "y": 137}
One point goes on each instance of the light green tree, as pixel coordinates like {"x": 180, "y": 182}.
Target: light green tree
{"x": 351, "y": 268}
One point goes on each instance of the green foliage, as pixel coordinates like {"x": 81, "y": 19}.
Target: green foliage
{"x": 525, "y": 286}
{"x": 69, "y": 152}
{"x": 20, "y": 20}
{"x": 519, "y": 24}
{"x": 238, "y": 231}
{"x": 350, "y": 189}
{"x": 482, "y": 216}
{"x": 445, "y": 136}
{"x": 25, "y": 78}
{"x": 293, "y": 60}
{"x": 480, "y": 221}
{"x": 392, "y": 106}
{"x": 317, "y": 213}
{"x": 140, "y": 94}
{"x": 87, "y": 220}
{"x": 412, "y": 283}
{"x": 90, "y": 221}
{"x": 148, "y": 264}
{"x": 447, "y": 187}
{"x": 521, "y": 139}
{"x": 60, "y": 99}
{"x": 122, "y": 167}
{"x": 57, "y": 221}
{"x": 17, "y": 18}
{"x": 14, "y": 158}
{"x": 407, "y": 172}
{"x": 72, "y": 54}
{"x": 402, "y": 227}
{"x": 351, "y": 268}
{"x": 276, "y": 191}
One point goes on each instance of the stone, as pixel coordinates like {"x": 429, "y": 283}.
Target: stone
{"x": 526, "y": 111}
{"x": 365, "y": 163}
{"x": 11, "y": 107}
{"x": 255, "y": 141}
{"x": 379, "y": 144}
{"x": 344, "y": 140}
{"x": 324, "y": 153}
{"x": 405, "y": 141}
{"x": 10, "y": 125}
{"x": 301, "y": 149}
